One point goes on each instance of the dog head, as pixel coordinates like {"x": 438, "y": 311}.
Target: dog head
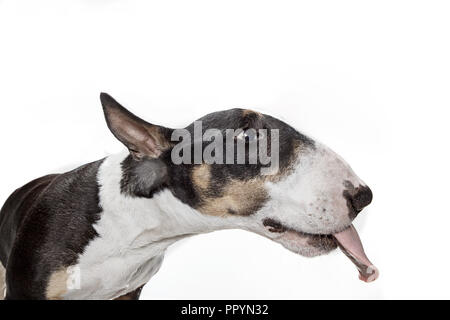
{"x": 310, "y": 196}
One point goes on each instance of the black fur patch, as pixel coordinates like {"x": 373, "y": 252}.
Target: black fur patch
{"x": 143, "y": 178}
{"x": 50, "y": 233}
{"x": 357, "y": 198}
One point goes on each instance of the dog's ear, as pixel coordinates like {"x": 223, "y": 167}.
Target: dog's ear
{"x": 140, "y": 137}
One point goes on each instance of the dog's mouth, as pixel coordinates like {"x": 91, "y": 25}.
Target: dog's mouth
{"x": 348, "y": 241}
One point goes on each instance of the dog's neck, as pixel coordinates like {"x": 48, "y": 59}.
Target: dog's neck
{"x": 142, "y": 221}
{"x": 133, "y": 234}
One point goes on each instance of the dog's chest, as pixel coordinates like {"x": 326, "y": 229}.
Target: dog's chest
{"x": 130, "y": 245}
{"x": 133, "y": 235}
{"x": 123, "y": 257}
{"x": 111, "y": 278}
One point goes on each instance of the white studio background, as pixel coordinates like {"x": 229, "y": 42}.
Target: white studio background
{"x": 370, "y": 79}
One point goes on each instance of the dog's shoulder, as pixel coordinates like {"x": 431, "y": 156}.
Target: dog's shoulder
{"x": 51, "y": 210}
{"x": 15, "y": 209}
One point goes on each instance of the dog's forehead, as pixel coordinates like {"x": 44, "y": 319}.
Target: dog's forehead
{"x": 227, "y": 119}
{"x": 239, "y": 118}
{"x": 290, "y": 140}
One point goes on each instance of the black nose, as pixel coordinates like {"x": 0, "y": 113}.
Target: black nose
{"x": 361, "y": 198}
{"x": 357, "y": 199}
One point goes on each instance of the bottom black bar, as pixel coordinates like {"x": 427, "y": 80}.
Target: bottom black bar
{"x": 227, "y": 309}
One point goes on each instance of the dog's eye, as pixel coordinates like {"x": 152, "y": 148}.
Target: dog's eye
{"x": 250, "y": 135}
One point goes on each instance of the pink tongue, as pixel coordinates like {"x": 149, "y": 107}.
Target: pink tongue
{"x": 351, "y": 245}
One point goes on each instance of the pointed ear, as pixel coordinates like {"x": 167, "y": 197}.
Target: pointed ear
{"x": 140, "y": 137}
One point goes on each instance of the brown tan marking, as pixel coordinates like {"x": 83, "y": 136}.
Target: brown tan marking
{"x": 238, "y": 198}
{"x": 57, "y": 285}
{"x": 201, "y": 176}
{"x": 247, "y": 112}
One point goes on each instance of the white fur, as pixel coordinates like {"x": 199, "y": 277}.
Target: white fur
{"x": 134, "y": 233}
{"x": 311, "y": 198}
{"x": 133, "y": 236}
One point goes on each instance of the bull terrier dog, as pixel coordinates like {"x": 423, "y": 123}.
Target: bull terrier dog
{"x": 101, "y": 230}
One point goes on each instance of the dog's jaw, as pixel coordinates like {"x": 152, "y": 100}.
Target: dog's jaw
{"x": 136, "y": 231}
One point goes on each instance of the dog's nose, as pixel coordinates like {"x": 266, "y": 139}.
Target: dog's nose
{"x": 361, "y": 197}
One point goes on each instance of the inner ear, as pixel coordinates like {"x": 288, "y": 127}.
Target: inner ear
{"x": 140, "y": 137}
